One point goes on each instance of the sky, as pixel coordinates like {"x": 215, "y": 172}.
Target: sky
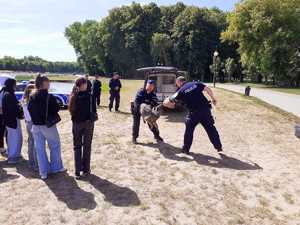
{"x": 36, "y": 27}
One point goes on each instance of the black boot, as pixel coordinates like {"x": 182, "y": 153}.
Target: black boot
{"x": 134, "y": 141}
{"x": 159, "y": 139}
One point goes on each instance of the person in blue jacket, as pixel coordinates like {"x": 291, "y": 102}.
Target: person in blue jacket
{"x": 191, "y": 94}
{"x": 115, "y": 87}
{"x": 147, "y": 96}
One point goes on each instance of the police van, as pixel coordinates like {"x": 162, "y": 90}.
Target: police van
{"x": 164, "y": 78}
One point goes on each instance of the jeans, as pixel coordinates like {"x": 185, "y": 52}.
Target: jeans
{"x": 114, "y": 96}
{"x": 82, "y": 140}
{"x": 207, "y": 121}
{"x": 41, "y": 134}
{"x": 136, "y": 126}
{"x": 32, "y": 157}
{"x": 14, "y": 142}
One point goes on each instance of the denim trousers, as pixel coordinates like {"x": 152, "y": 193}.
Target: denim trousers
{"x": 32, "y": 157}
{"x": 41, "y": 134}
{"x": 14, "y": 142}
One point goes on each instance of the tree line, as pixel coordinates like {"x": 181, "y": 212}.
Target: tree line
{"x": 36, "y": 64}
{"x": 258, "y": 40}
{"x": 147, "y": 35}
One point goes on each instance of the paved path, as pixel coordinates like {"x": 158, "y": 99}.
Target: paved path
{"x": 287, "y": 102}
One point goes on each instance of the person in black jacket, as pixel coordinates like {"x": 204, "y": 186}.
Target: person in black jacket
{"x": 147, "y": 96}
{"x": 89, "y": 83}
{"x": 41, "y": 107}
{"x": 115, "y": 87}
{"x": 82, "y": 107}
{"x": 12, "y": 113}
{"x": 97, "y": 85}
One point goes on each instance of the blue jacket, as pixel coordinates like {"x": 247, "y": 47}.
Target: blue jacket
{"x": 143, "y": 97}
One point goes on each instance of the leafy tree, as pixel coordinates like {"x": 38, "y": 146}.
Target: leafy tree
{"x": 267, "y": 32}
{"x": 230, "y": 68}
{"x": 161, "y": 47}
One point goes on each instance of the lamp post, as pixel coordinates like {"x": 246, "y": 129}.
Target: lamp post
{"x": 215, "y": 64}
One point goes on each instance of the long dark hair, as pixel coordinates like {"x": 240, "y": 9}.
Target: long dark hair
{"x": 9, "y": 85}
{"x": 39, "y": 81}
{"x": 79, "y": 81}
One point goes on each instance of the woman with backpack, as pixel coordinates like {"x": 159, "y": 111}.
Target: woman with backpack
{"x": 32, "y": 158}
{"x": 82, "y": 107}
{"x": 43, "y": 109}
{"x": 12, "y": 114}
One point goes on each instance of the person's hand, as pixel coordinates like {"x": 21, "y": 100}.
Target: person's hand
{"x": 167, "y": 103}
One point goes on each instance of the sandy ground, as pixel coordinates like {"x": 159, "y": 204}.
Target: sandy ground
{"x": 256, "y": 182}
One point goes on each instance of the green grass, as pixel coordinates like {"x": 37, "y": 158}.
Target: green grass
{"x": 295, "y": 91}
{"x": 58, "y": 78}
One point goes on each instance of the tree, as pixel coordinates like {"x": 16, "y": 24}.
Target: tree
{"x": 267, "y": 32}
{"x": 161, "y": 46}
{"x": 230, "y": 68}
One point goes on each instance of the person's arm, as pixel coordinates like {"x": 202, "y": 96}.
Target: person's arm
{"x": 94, "y": 107}
{"x": 154, "y": 100}
{"x": 171, "y": 101}
{"x": 120, "y": 84}
{"x": 10, "y": 106}
{"x": 111, "y": 84}
{"x": 211, "y": 95}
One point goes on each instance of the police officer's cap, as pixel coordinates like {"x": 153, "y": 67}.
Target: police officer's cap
{"x": 151, "y": 82}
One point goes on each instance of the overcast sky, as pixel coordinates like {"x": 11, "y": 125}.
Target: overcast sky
{"x": 35, "y": 27}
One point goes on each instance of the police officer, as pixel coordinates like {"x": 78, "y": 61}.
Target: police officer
{"x": 97, "y": 89}
{"x": 146, "y": 96}
{"x": 191, "y": 94}
{"x": 115, "y": 87}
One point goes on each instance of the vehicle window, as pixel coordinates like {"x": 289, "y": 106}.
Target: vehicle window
{"x": 20, "y": 87}
{"x": 168, "y": 80}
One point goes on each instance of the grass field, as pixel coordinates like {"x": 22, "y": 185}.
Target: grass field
{"x": 295, "y": 91}
{"x": 256, "y": 180}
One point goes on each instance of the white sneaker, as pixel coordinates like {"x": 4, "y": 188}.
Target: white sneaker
{"x": 44, "y": 177}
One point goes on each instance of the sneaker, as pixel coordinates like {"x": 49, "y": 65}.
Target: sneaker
{"x": 134, "y": 141}
{"x": 184, "y": 151}
{"x": 159, "y": 139}
{"x": 220, "y": 150}
{"x": 110, "y": 109}
{"x": 86, "y": 174}
{"x": 77, "y": 177}
{"x": 44, "y": 177}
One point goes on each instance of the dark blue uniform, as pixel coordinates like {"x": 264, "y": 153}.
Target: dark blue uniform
{"x": 115, "y": 87}
{"x": 191, "y": 94}
{"x": 150, "y": 99}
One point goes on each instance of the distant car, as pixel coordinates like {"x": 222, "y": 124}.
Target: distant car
{"x": 165, "y": 80}
{"x": 61, "y": 98}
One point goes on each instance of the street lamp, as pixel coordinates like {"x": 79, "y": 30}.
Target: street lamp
{"x": 215, "y": 64}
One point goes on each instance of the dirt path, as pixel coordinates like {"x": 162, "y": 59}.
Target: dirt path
{"x": 284, "y": 101}
{"x": 256, "y": 182}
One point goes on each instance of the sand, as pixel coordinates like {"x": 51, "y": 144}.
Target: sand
{"x": 256, "y": 181}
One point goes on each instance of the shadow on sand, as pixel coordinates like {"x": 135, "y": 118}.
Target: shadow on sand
{"x": 171, "y": 152}
{"x": 116, "y": 195}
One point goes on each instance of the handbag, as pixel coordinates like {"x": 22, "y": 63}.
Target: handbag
{"x": 53, "y": 119}
{"x": 94, "y": 115}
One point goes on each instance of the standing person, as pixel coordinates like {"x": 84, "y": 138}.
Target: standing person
{"x": 97, "y": 85}
{"x": 89, "y": 83}
{"x": 12, "y": 114}
{"x": 115, "y": 87}
{"x": 82, "y": 107}
{"x": 42, "y": 107}
{"x": 32, "y": 157}
{"x": 191, "y": 93}
{"x": 144, "y": 96}
{"x": 2, "y": 126}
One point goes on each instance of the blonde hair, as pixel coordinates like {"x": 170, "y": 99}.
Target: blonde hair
{"x": 27, "y": 93}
